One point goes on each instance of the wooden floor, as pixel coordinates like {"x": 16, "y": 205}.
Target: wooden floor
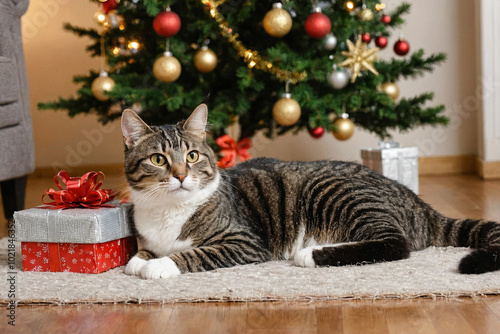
{"x": 456, "y": 196}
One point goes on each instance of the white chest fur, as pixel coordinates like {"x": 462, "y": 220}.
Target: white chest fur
{"x": 160, "y": 222}
{"x": 160, "y": 228}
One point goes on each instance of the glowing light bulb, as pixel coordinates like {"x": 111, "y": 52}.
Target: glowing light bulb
{"x": 101, "y": 17}
{"x": 133, "y": 45}
{"x": 116, "y": 51}
{"x": 349, "y": 6}
{"x": 252, "y": 64}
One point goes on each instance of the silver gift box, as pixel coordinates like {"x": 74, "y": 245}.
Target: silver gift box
{"x": 75, "y": 225}
{"x": 397, "y": 163}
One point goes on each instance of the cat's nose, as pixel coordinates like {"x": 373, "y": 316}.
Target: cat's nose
{"x": 179, "y": 171}
{"x": 180, "y": 177}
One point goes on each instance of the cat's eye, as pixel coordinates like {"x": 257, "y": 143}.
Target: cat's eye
{"x": 192, "y": 156}
{"x": 158, "y": 159}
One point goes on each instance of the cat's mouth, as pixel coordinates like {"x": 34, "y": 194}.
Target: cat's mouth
{"x": 182, "y": 187}
{"x": 179, "y": 187}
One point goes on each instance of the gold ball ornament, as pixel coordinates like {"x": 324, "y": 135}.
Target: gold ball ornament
{"x": 345, "y": 127}
{"x": 365, "y": 15}
{"x": 101, "y": 85}
{"x": 205, "y": 60}
{"x": 277, "y": 21}
{"x": 167, "y": 68}
{"x": 390, "y": 89}
{"x": 286, "y": 111}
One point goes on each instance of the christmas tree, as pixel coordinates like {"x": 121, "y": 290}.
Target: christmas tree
{"x": 278, "y": 67}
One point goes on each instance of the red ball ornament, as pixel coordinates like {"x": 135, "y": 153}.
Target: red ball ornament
{"x": 381, "y": 42}
{"x": 401, "y": 47}
{"x": 317, "y": 25}
{"x": 109, "y": 6}
{"x": 366, "y": 37}
{"x": 167, "y": 23}
{"x": 317, "y": 132}
{"x": 386, "y": 19}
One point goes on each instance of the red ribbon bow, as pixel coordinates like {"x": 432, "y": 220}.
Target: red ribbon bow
{"x": 80, "y": 191}
{"x": 231, "y": 150}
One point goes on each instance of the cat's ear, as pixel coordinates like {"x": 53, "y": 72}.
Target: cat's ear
{"x": 197, "y": 122}
{"x": 133, "y": 127}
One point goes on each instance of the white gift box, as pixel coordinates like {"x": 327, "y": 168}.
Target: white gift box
{"x": 397, "y": 163}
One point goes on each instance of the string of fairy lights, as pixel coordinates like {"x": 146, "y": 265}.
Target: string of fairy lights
{"x": 251, "y": 57}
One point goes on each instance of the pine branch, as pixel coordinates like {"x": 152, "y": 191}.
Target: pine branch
{"x": 408, "y": 114}
{"x": 154, "y": 7}
{"x": 415, "y": 66}
{"x": 82, "y": 32}
{"x": 396, "y": 15}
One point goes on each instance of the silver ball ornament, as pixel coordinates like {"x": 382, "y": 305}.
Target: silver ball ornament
{"x": 338, "y": 79}
{"x": 330, "y": 41}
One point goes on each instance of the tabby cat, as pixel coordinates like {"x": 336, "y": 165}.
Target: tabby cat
{"x": 190, "y": 217}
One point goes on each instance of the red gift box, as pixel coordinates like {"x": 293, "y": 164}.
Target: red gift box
{"x": 77, "y": 258}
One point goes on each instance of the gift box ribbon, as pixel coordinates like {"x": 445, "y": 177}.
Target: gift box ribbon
{"x": 231, "y": 150}
{"x": 81, "y": 191}
{"x": 54, "y": 257}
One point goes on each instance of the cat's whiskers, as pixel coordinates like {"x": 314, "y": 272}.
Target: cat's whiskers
{"x": 222, "y": 190}
{"x": 235, "y": 188}
{"x": 151, "y": 192}
{"x": 144, "y": 196}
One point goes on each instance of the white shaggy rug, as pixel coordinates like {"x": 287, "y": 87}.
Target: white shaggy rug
{"x": 428, "y": 273}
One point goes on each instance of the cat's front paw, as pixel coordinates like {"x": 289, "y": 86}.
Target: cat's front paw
{"x": 135, "y": 265}
{"x": 304, "y": 258}
{"x": 163, "y": 267}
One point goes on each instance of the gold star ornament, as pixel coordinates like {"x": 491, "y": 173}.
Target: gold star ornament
{"x": 359, "y": 58}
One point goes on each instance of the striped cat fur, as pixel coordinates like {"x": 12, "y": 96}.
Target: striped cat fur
{"x": 189, "y": 216}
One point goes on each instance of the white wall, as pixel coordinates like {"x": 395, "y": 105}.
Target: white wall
{"x": 54, "y": 56}
{"x": 489, "y": 115}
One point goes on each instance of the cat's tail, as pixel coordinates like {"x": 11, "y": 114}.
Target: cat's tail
{"x": 481, "y": 235}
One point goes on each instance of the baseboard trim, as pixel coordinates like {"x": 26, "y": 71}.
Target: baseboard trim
{"x": 107, "y": 169}
{"x": 488, "y": 170}
{"x": 446, "y": 165}
{"x": 427, "y": 166}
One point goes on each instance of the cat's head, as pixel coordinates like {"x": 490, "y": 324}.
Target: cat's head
{"x": 169, "y": 162}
